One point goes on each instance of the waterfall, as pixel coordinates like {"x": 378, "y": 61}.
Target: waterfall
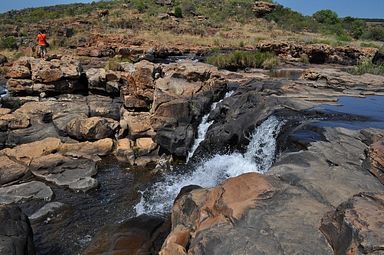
{"x": 204, "y": 126}
{"x": 259, "y": 156}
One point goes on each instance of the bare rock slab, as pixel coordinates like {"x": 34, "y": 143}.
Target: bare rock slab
{"x": 356, "y": 226}
{"x": 25, "y": 191}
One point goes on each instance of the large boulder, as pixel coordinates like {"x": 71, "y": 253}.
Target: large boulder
{"x": 140, "y": 235}
{"x": 91, "y": 129}
{"x": 56, "y": 76}
{"x": 138, "y": 83}
{"x": 68, "y": 171}
{"x": 11, "y": 170}
{"x": 16, "y": 236}
{"x": 136, "y": 124}
{"x": 259, "y": 214}
{"x": 355, "y": 227}
{"x": 65, "y": 164}
{"x": 24, "y": 192}
{"x": 181, "y": 98}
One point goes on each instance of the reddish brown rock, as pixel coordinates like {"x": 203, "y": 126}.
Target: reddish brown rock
{"x": 356, "y": 226}
{"x": 139, "y": 235}
{"x": 93, "y": 128}
{"x": 201, "y": 209}
{"x": 10, "y": 170}
{"x": 376, "y": 159}
{"x": 261, "y": 8}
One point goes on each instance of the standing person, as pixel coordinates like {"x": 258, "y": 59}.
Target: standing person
{"x": 42, "y": 41}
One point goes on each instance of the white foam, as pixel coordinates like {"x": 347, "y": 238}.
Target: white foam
{"x": 259, "y": 157}
{"x": 204, "y": 126}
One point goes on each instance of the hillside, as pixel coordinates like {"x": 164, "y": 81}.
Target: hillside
{"x": 215, "y": 24}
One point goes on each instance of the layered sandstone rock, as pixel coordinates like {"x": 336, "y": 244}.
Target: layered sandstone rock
{"x": 16, "y": 236}
{"x": 65, "y": 164}
{"x": 34, "y": 76}
{"x": 259, "y": 214}
{"x": 376, "y": 159}
{"x": 317, "y": 53}
{"x": 355, "y": 227}
{"x": 261, "y": 8}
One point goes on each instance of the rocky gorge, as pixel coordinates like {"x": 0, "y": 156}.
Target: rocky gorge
{"x": 93, "y": 159}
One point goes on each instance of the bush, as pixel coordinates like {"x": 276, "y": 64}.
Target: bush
{"x": 8, "y": 43}
{"x": 326, "y": 17}
{"x": 368, "y": 67}
{"x": 243, "y": 59}
{"x": 374, "y": 33}
{"x": 178, "y": 12}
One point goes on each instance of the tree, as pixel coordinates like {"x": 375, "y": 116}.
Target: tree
{"x": 326, "y": 17}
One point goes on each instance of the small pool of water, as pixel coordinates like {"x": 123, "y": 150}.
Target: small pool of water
{"x": 368, "y": 112}
{"x": 112, "y": 202}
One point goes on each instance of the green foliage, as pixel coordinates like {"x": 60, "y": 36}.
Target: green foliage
{"x": 369, "y": 45}
{"x": 328, "y": 17}
{"x": 291, "y": 20}
{"x": 374, "y": 33}
{"x": 178, "y": 12}
{"x": 8, "y": 43}
{"x": 368, "y": 67}
{"x": 243, "y": 59}
{"x": 355, "y": 27}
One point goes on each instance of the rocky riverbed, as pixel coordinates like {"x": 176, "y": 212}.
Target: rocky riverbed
{"x": 286, "y": 162}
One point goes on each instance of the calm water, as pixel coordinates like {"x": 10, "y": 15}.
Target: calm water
{"x": 369, "y": 112}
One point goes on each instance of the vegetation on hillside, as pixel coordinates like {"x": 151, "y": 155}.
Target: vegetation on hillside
{"x": 243, "y": 59}
{"x": 205, "y": 19}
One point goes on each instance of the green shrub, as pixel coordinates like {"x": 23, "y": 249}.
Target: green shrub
{"x": 178, "y": 12}
{"x": 374, "y": 33}
{"x": 368, "y": 67}
{"x": 243, "y": 59}
{"x": 8, "y": 43}
{"x": 326, "y": 17}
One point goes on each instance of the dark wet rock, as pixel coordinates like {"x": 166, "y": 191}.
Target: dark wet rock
{"x": 141, "y": 235}
{"x": 16, "y": 236}
{"x": 25, "y": 191}
{"x": 3, "y": 59}
{"x": 48, "y": 210}
{"x": 181, "y": 98}
{"x": 101, "y": 106}
{"x": 66, "y": 171}
{"x": 355, "y": 227}
{"x": 378, "y": 59}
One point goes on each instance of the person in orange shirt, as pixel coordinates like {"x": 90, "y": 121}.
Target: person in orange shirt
{"x": 42, "y": 47}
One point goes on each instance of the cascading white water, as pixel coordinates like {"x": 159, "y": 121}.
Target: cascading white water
{"x": 259, "y": 156}
{"x": 204, "y": 126}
